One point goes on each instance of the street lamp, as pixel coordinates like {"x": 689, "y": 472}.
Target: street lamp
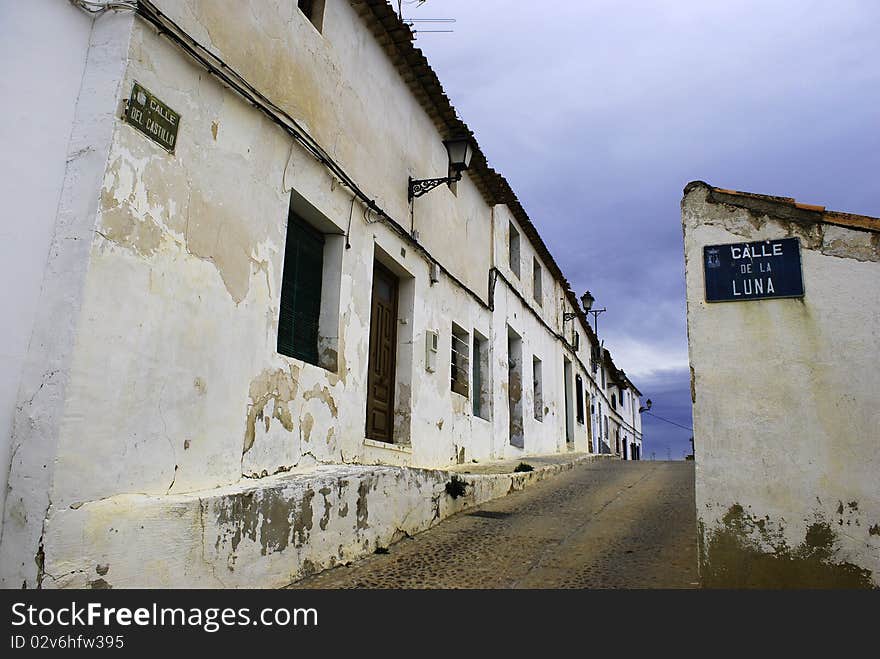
{"x": 459, "y": 151}
{"x": 587, "y": 300}
{"x": 646, "y": 406}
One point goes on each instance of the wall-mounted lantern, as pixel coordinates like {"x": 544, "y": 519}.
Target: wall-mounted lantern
{"x": 459, "y": 151}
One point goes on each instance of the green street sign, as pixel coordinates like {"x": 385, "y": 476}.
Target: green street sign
{"x": 152, "y": 117}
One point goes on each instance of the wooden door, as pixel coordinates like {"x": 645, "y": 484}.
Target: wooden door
{"x": 383, "y": 346}
{"x": 589, "y": 415}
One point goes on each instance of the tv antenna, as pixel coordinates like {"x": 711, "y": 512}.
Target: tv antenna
{"x": 411, "y": 22}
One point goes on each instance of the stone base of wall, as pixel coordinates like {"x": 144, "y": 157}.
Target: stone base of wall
{"x": 263, "y": 533}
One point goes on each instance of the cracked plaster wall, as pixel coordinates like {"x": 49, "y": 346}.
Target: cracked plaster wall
{"x": 46, "y": 372}
{"x": 786, "y": 408}
{"x": 37, "y": 130}
{"x": 190, "y": 266}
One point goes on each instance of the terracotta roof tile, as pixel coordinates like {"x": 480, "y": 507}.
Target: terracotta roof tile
{"x": 787, "y": 207}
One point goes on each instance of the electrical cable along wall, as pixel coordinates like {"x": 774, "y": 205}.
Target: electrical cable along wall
{"x": 237, "y": 83}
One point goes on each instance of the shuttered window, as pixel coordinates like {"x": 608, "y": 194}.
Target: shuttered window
{"x": 301, "y": 291}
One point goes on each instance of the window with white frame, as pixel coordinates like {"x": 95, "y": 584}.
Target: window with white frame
{"x": 314, "y": 11}
{"x": 308, "y": 322}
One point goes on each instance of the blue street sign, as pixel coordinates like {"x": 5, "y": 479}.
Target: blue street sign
{"x": 753, "y": 271}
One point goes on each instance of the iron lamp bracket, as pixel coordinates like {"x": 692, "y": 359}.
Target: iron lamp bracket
{"x": 419, "y": 186}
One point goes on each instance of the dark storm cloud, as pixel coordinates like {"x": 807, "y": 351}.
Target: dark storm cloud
{"x": 599, "y": 113}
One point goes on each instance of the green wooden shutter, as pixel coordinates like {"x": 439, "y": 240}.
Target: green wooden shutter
{"x": 579, "y": 392}
{"x": 301, "y": 291}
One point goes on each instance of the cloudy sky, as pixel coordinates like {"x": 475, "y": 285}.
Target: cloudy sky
{"x": 599, "y": 112}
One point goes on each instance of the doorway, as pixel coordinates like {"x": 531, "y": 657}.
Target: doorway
{"x": 383, "y": 349}
{"x": 590, "y": 446}
{"x": 514, "y": 389}
{"x": 569, "y": 402}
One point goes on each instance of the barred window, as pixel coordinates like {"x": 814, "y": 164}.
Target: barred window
{"x": 460, "y": 360}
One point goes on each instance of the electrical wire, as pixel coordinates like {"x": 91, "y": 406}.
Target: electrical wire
{"x": 232, "y": 79}
{"x": 348, "y": 230}
{"x": 668, "y": 421}
{"x": 242, "y": 87}
{"x": 237, "y": 83}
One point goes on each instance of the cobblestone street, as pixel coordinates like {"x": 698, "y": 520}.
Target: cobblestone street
{"x": 608, "y": 524}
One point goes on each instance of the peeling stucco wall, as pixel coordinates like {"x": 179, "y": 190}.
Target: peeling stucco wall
{"x": 746, "y": 551}
{"x": 786, "y": 408}
{"x": 264, "y": 534}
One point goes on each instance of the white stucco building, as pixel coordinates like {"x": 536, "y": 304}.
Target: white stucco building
{"x": 782, "y": 327}
{"x": 199, "y": 313}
